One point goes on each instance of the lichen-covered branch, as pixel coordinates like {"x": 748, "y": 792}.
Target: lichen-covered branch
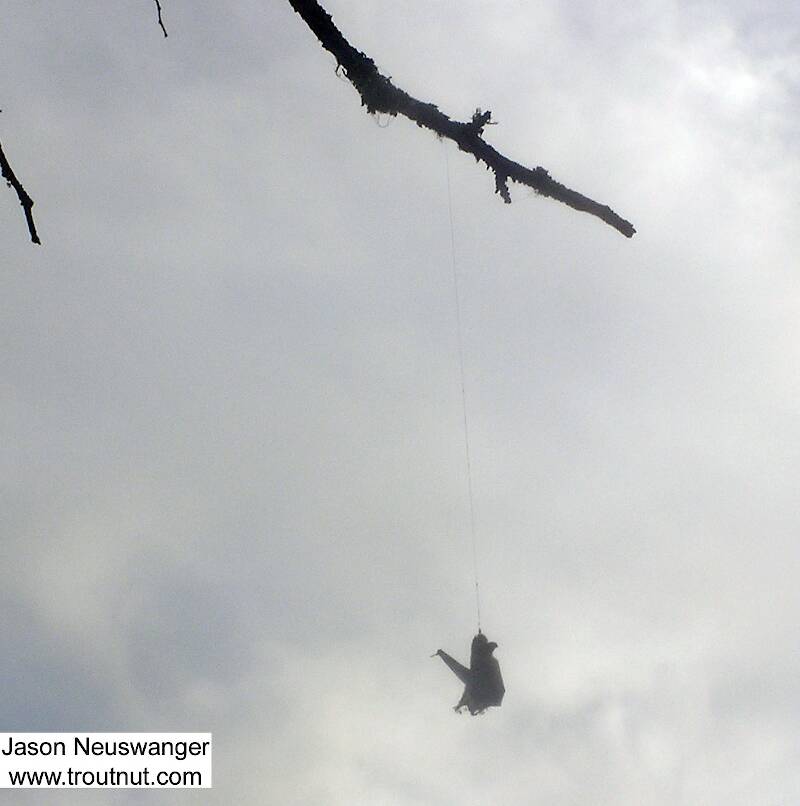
{"x": 379, "y": 94}
{"x": 24, "y": 199}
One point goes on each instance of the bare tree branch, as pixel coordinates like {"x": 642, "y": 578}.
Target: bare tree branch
{"x": 24, "y": 199}
{"x": 379, "y": 94}
{"x": 160, "y": 21}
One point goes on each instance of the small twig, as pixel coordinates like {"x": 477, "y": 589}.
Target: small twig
{"x": 24, "y": 199}
{"x": 160, "y": 21}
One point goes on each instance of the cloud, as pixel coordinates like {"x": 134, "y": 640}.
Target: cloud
{"x": 233, "y": 483}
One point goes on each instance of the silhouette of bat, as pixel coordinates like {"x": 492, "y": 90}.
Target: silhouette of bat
{"x": 483, "y": 683}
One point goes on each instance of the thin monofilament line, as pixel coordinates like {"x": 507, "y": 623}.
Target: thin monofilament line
{"x": 460, "y": 339}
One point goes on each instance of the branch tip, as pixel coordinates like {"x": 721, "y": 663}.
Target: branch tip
{"x": 24, "y": 199}
{"x": 160, "y": 21}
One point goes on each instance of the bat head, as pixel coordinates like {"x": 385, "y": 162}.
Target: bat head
{"x": 482, "y": 645}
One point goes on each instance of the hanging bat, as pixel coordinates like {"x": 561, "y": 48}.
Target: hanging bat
{"x": 483, "y": 683}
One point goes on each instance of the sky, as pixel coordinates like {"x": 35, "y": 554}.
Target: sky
{"x": 233, "y": 493}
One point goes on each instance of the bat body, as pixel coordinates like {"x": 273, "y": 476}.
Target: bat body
{"x": 483, "y": 682}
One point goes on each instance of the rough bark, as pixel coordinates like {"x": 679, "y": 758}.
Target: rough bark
{"x": 379, "y": 94}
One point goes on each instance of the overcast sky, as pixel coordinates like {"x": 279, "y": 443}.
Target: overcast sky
{"x": 232, "y": 478}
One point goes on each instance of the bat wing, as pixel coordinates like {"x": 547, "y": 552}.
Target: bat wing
{"x": 460, "y": 671}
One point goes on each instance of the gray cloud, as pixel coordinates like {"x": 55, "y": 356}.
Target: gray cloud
{"x": 232, "y": 483}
